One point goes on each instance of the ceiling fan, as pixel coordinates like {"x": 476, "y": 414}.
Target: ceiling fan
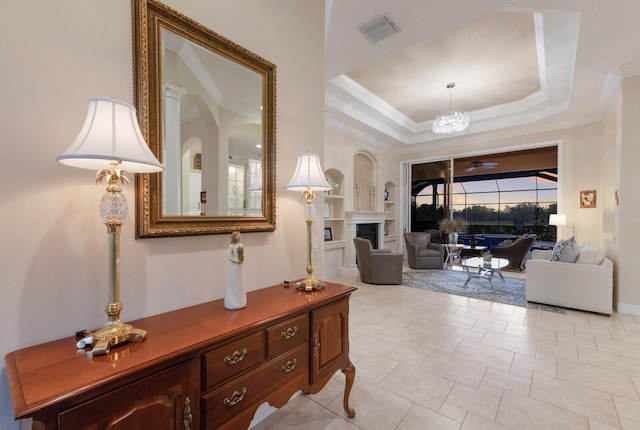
{"x": 477, "y": 164}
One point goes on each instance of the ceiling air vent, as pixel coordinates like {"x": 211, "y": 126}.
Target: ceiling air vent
{"x": 378, "y": 29}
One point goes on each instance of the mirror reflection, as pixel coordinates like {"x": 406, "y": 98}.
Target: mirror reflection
{"x": 206, "y": 107}
{"x": 212, "y": 132}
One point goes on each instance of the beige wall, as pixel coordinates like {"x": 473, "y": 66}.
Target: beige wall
{"x": 627, "y": 214}
{"x": 53, "y": 258}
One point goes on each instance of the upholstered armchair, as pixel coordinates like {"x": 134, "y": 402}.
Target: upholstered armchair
{"x": 422, "y": 253}
{"x": 377, "y": 266}
{"x": 517, "y": 252}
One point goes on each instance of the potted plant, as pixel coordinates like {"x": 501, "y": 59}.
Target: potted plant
{"x": 452, "y": 227}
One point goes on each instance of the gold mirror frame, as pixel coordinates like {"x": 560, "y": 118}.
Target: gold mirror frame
{"x": 148, "y": 18}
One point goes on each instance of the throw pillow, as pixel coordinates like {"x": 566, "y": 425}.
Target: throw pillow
{"x": 590, "y": 254}
{"x": 566, "y": 251}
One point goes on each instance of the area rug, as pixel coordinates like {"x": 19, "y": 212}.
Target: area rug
{"x": 510, "y": 292}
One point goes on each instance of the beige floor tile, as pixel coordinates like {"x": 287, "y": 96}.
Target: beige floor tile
{"x": 600, "y": 379}
{"x": 331, "y": 391}
{"x": 401, "y": 336}
{"x": 495, "y": 325}
{"x": 628, "y": 408}
{"x": 372, "y": 371}
{"x": 409, "y": 356}
{"x": 453, "y": 412}
{"x": 486, "y": 354}
{"x": 607, "y": 360}
{"x": 421, "y": 418}
{"x": 524, "y": 413}
{"x": 624, "y": 349}
{"x": 507, "y": 380}
{"x": 533, "y": 333}
{"x": 433, "y": 328}
{"x": 440, "y": 343}
{"x": 579, "y": 399}
{"x": 550, "y": 351}
{"x": 628, "y": 424}
{"x": 510, "y": 342}
{"x": 418, "y": 386}
{"x": 456, "y": 368}
{"x": 476, "y": 422}
{"x": 371, "y": 347}
{"x": 376, "y": 408}
{"x": 546, "y": 324}
{"x": 632, "y": 337}
{"x": 473, "y": 333}
{"x": 478, "y": 402}
{"x": 597, "y": 425}
{"x": 584, "y": 340}
{"x": 311, "y": 416}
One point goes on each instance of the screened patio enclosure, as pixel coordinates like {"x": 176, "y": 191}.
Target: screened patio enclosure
{"x": 513, "y": 195}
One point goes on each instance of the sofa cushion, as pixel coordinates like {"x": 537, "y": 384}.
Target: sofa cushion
{"x": 590, "y": 254}
{"x": 566, "y": 251}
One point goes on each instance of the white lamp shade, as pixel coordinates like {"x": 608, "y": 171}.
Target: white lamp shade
{"x": 557, "y": 219}
{"x": 308, "y": 175}
{"x": 111, "y": 133}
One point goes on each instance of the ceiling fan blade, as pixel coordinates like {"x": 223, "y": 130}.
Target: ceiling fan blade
{"x": 470, "y": 169}
{"x": 489, "y": 165}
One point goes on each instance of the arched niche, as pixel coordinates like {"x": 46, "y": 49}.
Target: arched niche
{"x": 365, "y": 192}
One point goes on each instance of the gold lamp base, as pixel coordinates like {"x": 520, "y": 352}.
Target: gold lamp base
{"x": 115, "y": 334}
{"x": 310, "y": 284}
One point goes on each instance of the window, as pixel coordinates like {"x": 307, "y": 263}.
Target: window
{"x": 236, "y": 188}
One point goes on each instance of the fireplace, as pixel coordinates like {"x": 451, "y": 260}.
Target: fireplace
{"x": 368, "y": 231}
{"x": 365, "y": 224}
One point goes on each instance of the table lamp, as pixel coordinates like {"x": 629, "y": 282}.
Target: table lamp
{"x": 559, "y": 220}
{"x": 308, "y": 178}
{"x": 111, "y": 143}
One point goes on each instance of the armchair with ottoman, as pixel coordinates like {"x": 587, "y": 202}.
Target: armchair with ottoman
{"x": 516, "y": 252}
{"x": 377, "y": 266}
{"x": 582, "y": 279}
{"x": 422, "y": 253}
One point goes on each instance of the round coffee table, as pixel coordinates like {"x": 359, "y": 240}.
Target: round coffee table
{"x": 485, "y": 269}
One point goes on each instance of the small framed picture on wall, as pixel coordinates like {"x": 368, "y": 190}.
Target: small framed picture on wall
{"x": 588, "y": 199}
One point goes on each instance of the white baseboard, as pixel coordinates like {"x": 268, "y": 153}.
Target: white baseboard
{"x": 624, "y": 308}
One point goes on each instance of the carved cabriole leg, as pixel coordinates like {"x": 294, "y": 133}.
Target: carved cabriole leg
{"x": 350, "y": 374}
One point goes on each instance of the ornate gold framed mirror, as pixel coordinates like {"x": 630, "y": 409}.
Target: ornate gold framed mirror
{"x": 207, "y": 110}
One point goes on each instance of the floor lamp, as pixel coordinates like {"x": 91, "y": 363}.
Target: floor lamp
{"x": 111, "y": 143}
{"x": 308, "y": 178}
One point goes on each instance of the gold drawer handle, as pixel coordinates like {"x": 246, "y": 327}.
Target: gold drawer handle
{"x": 236, "y": 397}
{"x": 290, "y": 332}
{"x": 187, "y": 417}
{"x": 291, "y": 364}
{"x": 236, "y": 357}
{"x": 316, "y": 344}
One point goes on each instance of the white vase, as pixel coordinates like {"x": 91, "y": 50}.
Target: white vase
{"x": 453, "y": 238}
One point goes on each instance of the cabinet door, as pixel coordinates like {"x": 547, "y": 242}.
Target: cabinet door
{"x": 330, "y": 343}
{"x": 161, "y": 401}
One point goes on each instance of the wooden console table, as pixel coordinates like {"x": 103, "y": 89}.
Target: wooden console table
{"x": 202, "y": 367}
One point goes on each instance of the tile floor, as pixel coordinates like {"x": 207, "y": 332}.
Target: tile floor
{"x": 428, "y": 360}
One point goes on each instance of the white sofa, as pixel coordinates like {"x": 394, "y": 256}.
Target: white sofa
{"x": 581, "y": 286}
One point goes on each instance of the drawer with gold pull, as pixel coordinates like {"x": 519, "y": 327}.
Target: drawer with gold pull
{"x": 222, "y": 404}
{"x": 228, "y": 360}
{"x": 287, "y": 335}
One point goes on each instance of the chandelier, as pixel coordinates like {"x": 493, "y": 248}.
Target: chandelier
{"x": 454, "y": 122}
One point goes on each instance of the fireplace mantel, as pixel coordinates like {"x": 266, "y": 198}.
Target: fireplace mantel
{"x": 365, "y": 217}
